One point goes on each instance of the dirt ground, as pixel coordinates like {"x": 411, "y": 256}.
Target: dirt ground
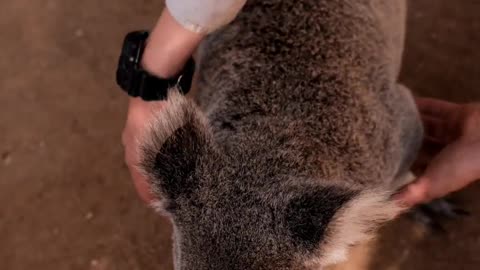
{"x": 66, "y": 201}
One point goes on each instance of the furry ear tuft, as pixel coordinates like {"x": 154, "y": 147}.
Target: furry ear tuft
{"x": 176, "y": 142}
{"x": 355, "y": 222}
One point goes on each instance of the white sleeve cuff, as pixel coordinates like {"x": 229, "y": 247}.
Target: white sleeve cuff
{"x": 204, "y": 16}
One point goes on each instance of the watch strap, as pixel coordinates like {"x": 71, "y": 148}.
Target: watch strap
{"x": 151, "y": 87}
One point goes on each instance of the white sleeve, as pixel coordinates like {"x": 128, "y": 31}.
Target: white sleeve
{"x": 204, "y": 16}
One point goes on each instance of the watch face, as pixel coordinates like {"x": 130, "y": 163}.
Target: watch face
{"x": 129, "y": 62}
{"x": 139, "y": 83}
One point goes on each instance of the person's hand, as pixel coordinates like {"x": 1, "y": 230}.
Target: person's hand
{"x": 140, "y": 114}
{"x": 450, "y": 157}
{"x": 168, "y": 48}
{"x": 178, "y": 32}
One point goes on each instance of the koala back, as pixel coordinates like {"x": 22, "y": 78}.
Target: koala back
{"x": 317, "y": 82}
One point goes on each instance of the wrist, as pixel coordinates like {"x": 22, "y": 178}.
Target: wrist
{"x": 140, "y": 110}
{"x": 169, "y": 46}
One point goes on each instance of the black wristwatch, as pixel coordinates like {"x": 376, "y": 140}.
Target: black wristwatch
{"x": 137, "y": 82}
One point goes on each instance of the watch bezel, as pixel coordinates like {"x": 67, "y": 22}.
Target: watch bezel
{"x": 137, "y": 82}
{"x": 129, "y": 71}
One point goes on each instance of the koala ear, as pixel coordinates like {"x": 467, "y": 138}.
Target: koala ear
{"x": 309, "y": 214}
{"x": 356, "y": 220}
{"x": 177, "y": 143}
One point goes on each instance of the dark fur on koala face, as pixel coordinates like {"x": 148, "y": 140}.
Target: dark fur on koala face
{"x": 301, "y": 134}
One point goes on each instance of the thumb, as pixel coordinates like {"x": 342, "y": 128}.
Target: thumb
{"x": 415, "y": 193}
{"x": 142, "y": 186}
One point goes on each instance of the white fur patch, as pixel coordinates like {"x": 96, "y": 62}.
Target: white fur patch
{"x": 404, "y": 180}
{"x": 159, "y": 207}
{"x": 354, "y": 223}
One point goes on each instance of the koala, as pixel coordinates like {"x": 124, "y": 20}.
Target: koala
{"x": 297, "y": 138}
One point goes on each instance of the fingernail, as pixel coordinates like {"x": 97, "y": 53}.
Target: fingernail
{"x": 415, "y": 193}
{"x": 402, "y": 200}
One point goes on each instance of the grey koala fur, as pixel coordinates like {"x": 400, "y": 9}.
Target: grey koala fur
{"x": 299, "y": 138}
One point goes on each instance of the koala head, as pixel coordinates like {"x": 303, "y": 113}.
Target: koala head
{"x": 227, "y": 216}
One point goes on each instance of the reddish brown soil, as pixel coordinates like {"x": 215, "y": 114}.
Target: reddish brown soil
{"x": 65, "y": 195}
